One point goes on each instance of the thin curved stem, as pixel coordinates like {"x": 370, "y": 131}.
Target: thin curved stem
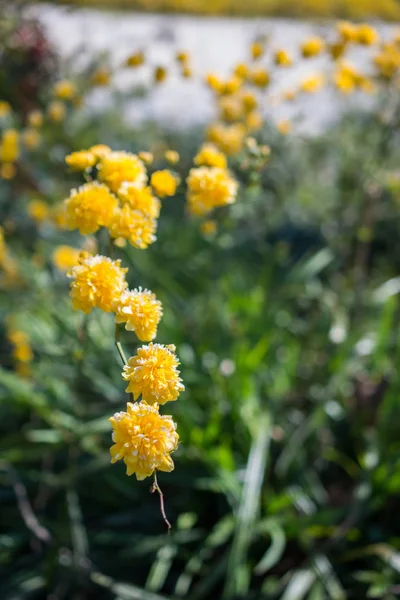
{"x": 156, "y": 488}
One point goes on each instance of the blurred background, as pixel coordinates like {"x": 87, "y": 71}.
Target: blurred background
{"x": 284, "y": 307}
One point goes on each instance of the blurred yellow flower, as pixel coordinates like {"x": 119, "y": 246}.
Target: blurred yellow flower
{"x": 186, "y": 72}
{"x": 99, "y": 150}
{"x": 65, "y": 257}
{"x": 347, "y": 31}
{"x": 164, "y": 183}
{"x": 35, "y": 118}
{"x": 8, "y": 171}
{"x": 283, "y": 58}
{"x": 143, "y": 439}
{"x": 241, "y": 70}
{"x": 140, "y": 311}
{"x": 214, "y": 82}
{"x": 366, "y": 35}
{"x": 117, "y": 167}
{"x": 254, "y": 121}
{"x": 59, "y": 215}
{"x": 160, "y": 74}
{"x": 228, "y": 138}
{"x": 38, "y": 210}
{"x": 80, "y": 160}
{"x": 9, "y": 146}
{"x": 97, "y": 282}
{"x": 249, "y": 101}
{"x": 56, "y": 111}
{"x": 182, "y": 56}
{"x": 146, "y": 157}
{"x": 30, "y": 138}
{"x": 101, "y": 77}
{"x": 210, "y": 156}
{"x": 90, "y": 207}
{"x": 135, "y": 60}
{"x": 64, "y": 90}
{"x": 312, "y": 84}
{"x": 22, "y": 351}
{"x": 230, "y": 108}
{"x": 209, "y": 227}
{"x": 312, "y": 47}
{"x": 140, "y": 199}
{"x": 208, "y": 188}
{"x": 257, "y": 50}
{"x": 153, "y": 374}
{"x": 134, "y": 226}
{"x": 284, "y": 126}
{"x": 172, "y": 156}
{"x": 259, "y": 77}
{"x": 5, "y": 108}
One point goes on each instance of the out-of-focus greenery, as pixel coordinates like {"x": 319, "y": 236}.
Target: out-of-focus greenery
{"x": 286, "y": 322}
{"x": 350, "y": 9}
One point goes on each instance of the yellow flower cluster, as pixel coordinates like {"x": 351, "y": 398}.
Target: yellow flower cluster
{"x": 124, "y": 203}
{"x": 121, "y": 200}
{"x": 209, "y": 188}
{"x": 21, "y": 350}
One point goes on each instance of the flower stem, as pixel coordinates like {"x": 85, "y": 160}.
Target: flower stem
{"x": 119, "y": 347}
{"x": 156, "y": 488}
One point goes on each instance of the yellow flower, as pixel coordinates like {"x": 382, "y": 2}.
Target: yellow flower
{"x": 241, "y": 70}
{"x": 90, "y": 207}
{"x": 38, "y": 210}
{"x": 135, "y": 60}
{"x": 56, "y": 111}
{"x": 366, "y": 35}
{"x": 210, "y": 156}
{"x": 289, "y": 95}
{"x": 81, "y": 160}
{"x": 186, "y": 72}
{"x": 66, "y": 257}
{"x": 347, "y": 31}
{"x": 30, "y": 138}
{"x": 254, "y": 120}
{"x": 312, "y": 47}
{"x": 9, "y": 146}
{"x": 5, "y": 108}
{"x": 143, "y": 439}
{"x": 153, "y": 374}
{"x": 22, "y": 351}
{"x": 140, "y": 199}
{"x": 284, "y": 126}
{"x": 337, "y": 50}
{"x": 35, "y": 118}
{"x": 164, "y": 183}
{"x": 99, "y": 150}
{"x": 312, "y": 84}
{"x": 214, "y": 82}
{"x": 232, "y": 85}
{"x": 172, "y": 156}
{"x": 64, "y": 90}
{"x": 282, "y": 58}
{"x": 134, "y": 226}
{"x": 228, "y": 138}
{"x": 146, "y": 157}
{"x": 231, "y": 108}
{"x": 182, "y": 56}
{"x": 209, "y": 227}
{"x": 209, "y": 187}
{"x": 249, "y": 101}
{"x": 116, "y": 167}
{"x": 101, "y": 77}
{"x": 260, "y": 77}
{"x": 257, "y": 50}
{"x": 97, "y": 282}
{"x": 160, "y": 74}
{"x": 7, "y": 171}
{"x": 140, "y": 311}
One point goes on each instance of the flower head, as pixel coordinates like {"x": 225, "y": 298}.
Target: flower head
{"x": 99, "y": 150}
{"x": 153, "y": 374}
{"x": 30, "y": 138}
{"x": 81, "y": 160}
{"x": 140, "y": 199}
{"x": 140, "y": 311}
{"x": 209, "y": 187}
{"x": 228, "y": 138}
{"x": 116, "y": 167}
{"x": 210, "y": 156}
{"x": 66, "y": 257}
{"x": 65, "y": 90}
{"x": 90, "y": 207}
{"x": 56, "y": 111}
{"x": 172, "y": 156}
{"x": 134, "y": 226}
{"x": 143, "y": 439}
{"x": 312, "y": 47}
{"x": 9, "y": 146}
{"x": 5, "y": 108}
{"x": 38, "y": 210}
{"x": 163, "y": 183}
{"x": 97, "y": 282}
{"x": 282, "y": 58}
